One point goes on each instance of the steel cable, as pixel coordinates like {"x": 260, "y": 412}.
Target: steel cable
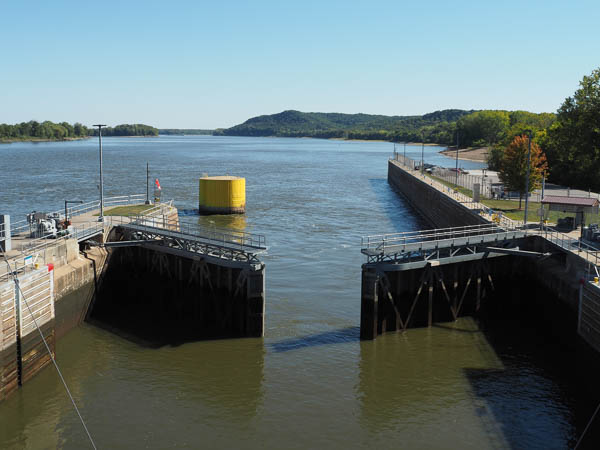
{"x": 14, "y": 276}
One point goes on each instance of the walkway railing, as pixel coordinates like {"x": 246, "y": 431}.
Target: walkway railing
{"x": 23, "y": 226}
{"x": 239, "y": 239}
{"x": 574, "y": 245}
{"x": 381, "y": 241}
{"x": 465, "y": 200}
{"x": 38, "y": 248}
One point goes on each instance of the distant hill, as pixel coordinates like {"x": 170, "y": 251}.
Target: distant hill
{"x": 184, "y": 131}
{"x": 435, "y": 127}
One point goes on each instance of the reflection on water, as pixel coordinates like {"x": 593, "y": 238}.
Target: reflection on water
{"x": 235, "y": 222}
{"x": 415, "y": 382}
{"x": 326, "y": 338}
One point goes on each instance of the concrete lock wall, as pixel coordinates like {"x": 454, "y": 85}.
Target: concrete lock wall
{"x": 505, "y": 285}
{"x": 552, "y": 283}
{"x": 25, "y": 304}
{"x": 439, "y": 210}
{"x": 589, "y": 323}
{"x": 58, "y": 299}
{"x": 398, "y": 300}
{"x": 157, "y": 298}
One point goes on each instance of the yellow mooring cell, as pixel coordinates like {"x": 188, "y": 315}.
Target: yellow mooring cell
{"x": 222, "y": 195}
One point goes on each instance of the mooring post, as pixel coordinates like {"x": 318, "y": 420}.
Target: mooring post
{"x": 478, "y": 291}
{"x": 430, "y": 308}
{"x": 368, "y": 305}
{"x": 455, "y": 300}
{"x": 5, "y": 240}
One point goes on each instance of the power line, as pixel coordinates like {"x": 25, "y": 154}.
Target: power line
{"x": 586, "y": 427}
{"x": 13, "y": 274}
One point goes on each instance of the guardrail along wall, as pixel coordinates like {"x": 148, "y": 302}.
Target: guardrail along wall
{"x": 22, "y": 351}
{"x": 437, "y": 208}
{"x": 158, "y": 297}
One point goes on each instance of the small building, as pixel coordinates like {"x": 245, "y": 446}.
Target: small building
{"x": 579, "y": 206}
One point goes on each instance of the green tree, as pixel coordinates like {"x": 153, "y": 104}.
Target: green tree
{"x": 573, "y": 142}
{"x": 483, "y": 127}
{"x": 513, "y": 166}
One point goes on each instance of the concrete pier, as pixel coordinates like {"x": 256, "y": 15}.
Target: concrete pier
{"x": 159, "y": 298}
{"x": 437, "y": 275}
{"x": 203, "y": 289}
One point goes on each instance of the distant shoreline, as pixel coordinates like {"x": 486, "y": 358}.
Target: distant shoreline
{"x": 475, "y": 154}
{"x": 15, "y": 140}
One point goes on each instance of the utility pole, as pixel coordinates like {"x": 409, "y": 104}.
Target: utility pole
{"x": 527, "y": 181}
{"x": 147, "y": 183}
{"x": 101, "y": 218}
{"x": 457, "y": 132}
{"x": 422, "y": 153}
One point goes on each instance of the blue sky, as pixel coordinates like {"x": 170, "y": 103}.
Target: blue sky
{"x": 215, "y": 64}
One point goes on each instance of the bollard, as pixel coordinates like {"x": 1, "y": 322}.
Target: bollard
{"x": 5, "y": 241}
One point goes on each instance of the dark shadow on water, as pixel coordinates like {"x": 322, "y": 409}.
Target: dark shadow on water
{"x": 547, "y": 390}
{"x": 531, "y": 382}
{"x": 402, "y": 216}
{"x": 340, "y": 336}
{"x": 188, "y": 212}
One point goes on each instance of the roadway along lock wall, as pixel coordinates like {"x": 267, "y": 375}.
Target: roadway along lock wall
{"x": 439, "y": 210}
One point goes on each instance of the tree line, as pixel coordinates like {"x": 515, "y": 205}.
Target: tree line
{"x": 565, "y": 148}
{"x": 472, "y": 128}
{"x": 51, "y": 131}
{"x": 42, "y": 130}
{"x": 136, "y": 129}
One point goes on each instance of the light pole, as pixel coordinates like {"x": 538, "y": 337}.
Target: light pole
{"x": 527, "y": 181}
{"x": 405, "y": 153}
{"x": 422, "y": 153}
{"x": 101, "y": 218}
{"x": 457, "y": 133}
{"x": 147, "y": 183}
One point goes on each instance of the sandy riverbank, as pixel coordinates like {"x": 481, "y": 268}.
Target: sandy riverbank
{"x": 478, "y": 154}
{"x": 12, "y": 141}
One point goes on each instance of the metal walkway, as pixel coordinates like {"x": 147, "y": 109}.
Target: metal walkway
{"x": 184, "y": 238}
{"x": 415, "y": 249}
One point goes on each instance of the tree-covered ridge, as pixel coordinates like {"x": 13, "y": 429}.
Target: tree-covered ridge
{"x": 137, "y": 129}
{"x": 351, "y": 126}
{"x": 47, "y": 130}
{"x": 440, "y": 127}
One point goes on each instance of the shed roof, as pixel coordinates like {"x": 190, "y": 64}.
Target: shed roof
{"x": 575, "y": 201}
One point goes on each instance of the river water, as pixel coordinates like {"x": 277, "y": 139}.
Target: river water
{"x": 310, "y": 383}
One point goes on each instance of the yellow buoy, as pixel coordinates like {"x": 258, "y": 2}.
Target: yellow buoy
{"x": 222, "y": 195}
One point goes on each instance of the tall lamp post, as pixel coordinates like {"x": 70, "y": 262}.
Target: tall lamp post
{"x": 147, "y": 183}
{"x": 527, "y": 181}
{"x": 404, "y": 162}
{"x": 101, "y": 218}
{"x": 422, "y": 153}
{"x": 457, "y": 133}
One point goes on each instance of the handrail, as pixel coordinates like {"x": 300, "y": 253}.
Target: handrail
{"x": 239, "y": 239}
{"x": 459, "y": 196}
{"x": 21, "y": 226}
{"x": 433, "y": 234}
